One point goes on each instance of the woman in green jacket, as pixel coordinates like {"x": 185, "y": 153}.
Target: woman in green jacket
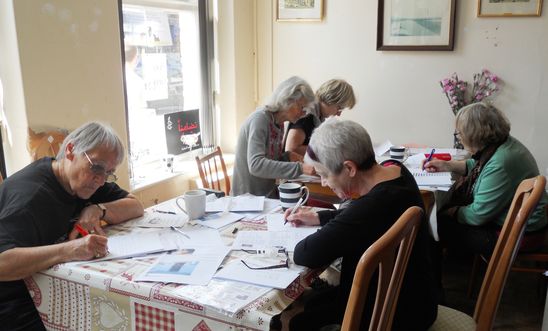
{"x": 478, "y": 202}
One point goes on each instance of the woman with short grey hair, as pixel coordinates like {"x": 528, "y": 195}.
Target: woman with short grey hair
{"x": 260, "y": 158}
{"x": 332, "y": 98}
{"x": 478, "y": 202}
{"x": 342, "y": 154}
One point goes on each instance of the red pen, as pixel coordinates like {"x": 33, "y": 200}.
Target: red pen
{"x": 81, "y": 230}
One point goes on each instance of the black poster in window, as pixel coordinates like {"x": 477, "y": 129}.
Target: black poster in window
{"x": 182, "y": 131}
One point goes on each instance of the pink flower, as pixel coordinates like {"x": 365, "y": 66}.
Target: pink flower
{"x": 484, "y": 85}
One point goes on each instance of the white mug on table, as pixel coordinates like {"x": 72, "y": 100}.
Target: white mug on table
{"x": 195, "y": 203}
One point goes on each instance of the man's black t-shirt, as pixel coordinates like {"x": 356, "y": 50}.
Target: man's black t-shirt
{"x": 35, "y": 210}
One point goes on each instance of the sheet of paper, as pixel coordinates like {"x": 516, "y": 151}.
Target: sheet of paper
{"x": 424, "y": 178}
{"x": 224, "y": 296}
{"x": 195, "y": 267}
{"x": 239, "y": 203}
{"x": 152, "y": 219}
{"x": 415, "y": 161}
{"x": 196, "y": 237}
{"x": 275, "y": 278}
{"x": 218, "y": 220}
{"x": 136, "y": 244}
{"x": 270, "y": 206}
{"x": 169, "y": 205}
{"x": 265, "y": 239}
{"x": 382, "y": 148}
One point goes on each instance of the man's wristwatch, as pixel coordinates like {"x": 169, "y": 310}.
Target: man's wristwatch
{"x": 103, "y": 209}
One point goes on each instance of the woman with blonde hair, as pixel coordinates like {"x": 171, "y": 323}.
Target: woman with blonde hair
{"x": 331, "y": 98}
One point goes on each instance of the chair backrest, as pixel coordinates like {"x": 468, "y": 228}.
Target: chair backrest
{"x": 525, "y": 200}
{"x": 210, "y": 166}
{"x": 389, "y": 254}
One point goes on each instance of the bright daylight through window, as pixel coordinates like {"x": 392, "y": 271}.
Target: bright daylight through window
{"x": 163, "y": 85}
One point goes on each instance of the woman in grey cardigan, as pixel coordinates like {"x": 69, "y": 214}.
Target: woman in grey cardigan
{"x": 260, "y": 158}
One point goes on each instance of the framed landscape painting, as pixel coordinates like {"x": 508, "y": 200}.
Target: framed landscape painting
{"x": 299, "y": 10}
{"x": 509, "y": 8}
{"x": 418, "y": 25}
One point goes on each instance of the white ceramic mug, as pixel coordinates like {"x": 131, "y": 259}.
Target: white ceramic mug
{"x": 397, "y": 153}
{"x": 290, "y": 193}
{"x": 195, "y": 203}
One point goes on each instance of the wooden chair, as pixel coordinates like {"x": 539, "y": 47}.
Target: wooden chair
{"x": 525, "y": 200}
{"x": 390, "y": 254}
{"x": 210, "y": 167}
{"x": 532, "y": 262}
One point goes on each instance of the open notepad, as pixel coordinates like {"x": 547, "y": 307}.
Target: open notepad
{"x": 424, "y": 178}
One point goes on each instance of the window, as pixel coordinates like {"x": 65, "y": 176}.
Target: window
{"x": 167, "y": 84}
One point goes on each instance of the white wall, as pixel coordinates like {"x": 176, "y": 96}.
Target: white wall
{"x": 64, "y": 69}
{"x": 399, "y": 97}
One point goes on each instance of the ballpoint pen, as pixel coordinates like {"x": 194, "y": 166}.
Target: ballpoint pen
{"x": 83, "y": 232}
{"x": 163, "y": 212}
{"x": 429, "y": 157}
{"x": 181, "y": 232}
{"x": 297, "y": 206}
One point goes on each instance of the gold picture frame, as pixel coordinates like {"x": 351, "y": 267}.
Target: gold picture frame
{"x": 509, "y": 8}
{"x": 299, "y": 10}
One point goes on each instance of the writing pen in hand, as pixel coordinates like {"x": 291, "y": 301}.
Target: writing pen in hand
{"x": 297, "y": 206}
{"x": 83, "y": 232}
{"x": 429, "y": 158}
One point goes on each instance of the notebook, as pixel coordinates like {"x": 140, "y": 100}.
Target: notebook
{"x": 424, "y": 178}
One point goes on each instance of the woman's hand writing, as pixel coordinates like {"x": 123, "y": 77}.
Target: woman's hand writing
{"x": 302, "y": 216}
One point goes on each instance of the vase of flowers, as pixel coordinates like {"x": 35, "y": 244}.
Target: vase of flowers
{"x": 485, "y": 84}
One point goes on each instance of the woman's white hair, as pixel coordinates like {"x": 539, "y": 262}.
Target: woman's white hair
{"x": 92, "y": 135}
{"x": 288, "y": 92}
{"x": 336, "y": 141}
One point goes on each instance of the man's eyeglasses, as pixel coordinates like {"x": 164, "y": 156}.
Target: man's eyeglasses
{"x": 99, "y": 170}
{"x": 284, "y": 263}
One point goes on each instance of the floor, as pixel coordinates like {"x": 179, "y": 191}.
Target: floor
{"x": 522, "y": 303}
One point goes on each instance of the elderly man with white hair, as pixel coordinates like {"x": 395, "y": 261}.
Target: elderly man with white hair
{"x": 41, "y": 204}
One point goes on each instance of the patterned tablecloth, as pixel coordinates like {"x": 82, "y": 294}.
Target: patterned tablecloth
{"x": 103, "y": 296}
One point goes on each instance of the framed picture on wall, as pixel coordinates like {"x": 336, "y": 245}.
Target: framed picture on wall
{"x": 299, "y": 10}
{"x": 509, "y": 8}
{"x": 418, "y": 25}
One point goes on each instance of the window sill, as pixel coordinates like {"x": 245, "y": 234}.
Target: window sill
{"x": 155, "y": 173}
